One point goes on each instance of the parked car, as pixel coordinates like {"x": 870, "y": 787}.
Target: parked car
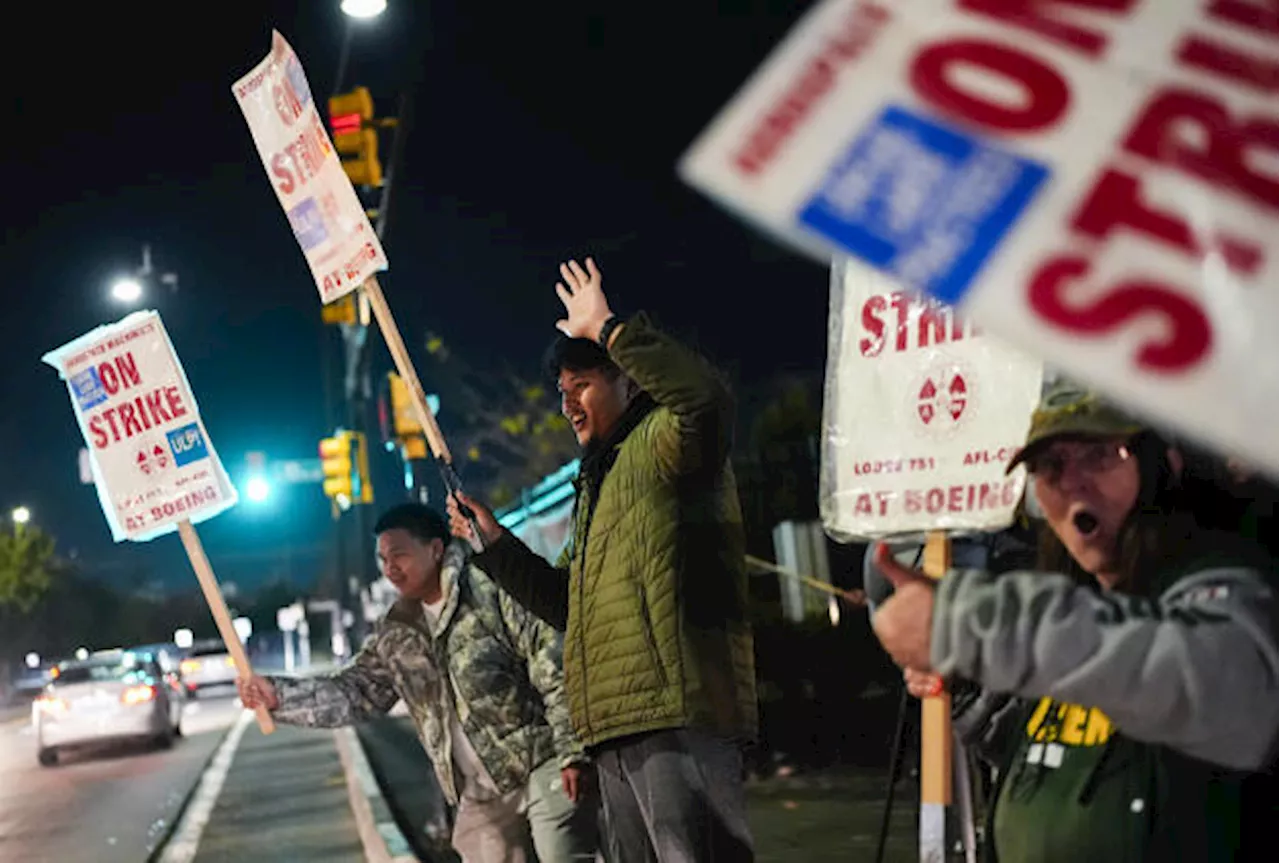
{"x": 207, "y": 664}
{"x": 169, "y": 657}
{"x": 111, "y": 696}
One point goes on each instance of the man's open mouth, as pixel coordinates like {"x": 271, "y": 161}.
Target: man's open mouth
{"x": 1086, "y": 523}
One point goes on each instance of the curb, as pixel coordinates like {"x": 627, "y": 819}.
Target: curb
{"x": 382, "y": 838}
{"x": 180, "y": 841}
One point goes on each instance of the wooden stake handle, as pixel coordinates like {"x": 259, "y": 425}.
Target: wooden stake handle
{"x": 417, "y": 395}
{"x": 404, "y": 366}
{"x": 222, "y": 617}
{"x": 935, "y": 723}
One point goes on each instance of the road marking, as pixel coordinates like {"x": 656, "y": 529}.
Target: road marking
{"x": 183, "y": 844}
{"x": 382, "y": 840}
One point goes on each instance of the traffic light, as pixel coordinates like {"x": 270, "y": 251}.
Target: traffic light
{"x": 340, "y": 311}
{"x": 404, "y": 420}
{"x": 344, "y": 461}
{"x": 355, "y": 136}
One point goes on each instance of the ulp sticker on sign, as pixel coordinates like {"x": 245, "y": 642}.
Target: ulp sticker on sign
{"x": 1094, "y": 183}
{"x": 148, "y": 451}
{"x": 922, "y": 200}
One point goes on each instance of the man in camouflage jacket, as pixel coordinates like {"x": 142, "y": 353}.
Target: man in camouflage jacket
{"x": 483, "y": 681}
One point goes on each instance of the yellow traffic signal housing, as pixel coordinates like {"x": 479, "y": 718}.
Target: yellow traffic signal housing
{"x": 364, "y": 483}
{"x": 337, "y": 464}
{"x": 344, "y": 461}
{"x": 355, "y": 136}
{"x": 413, "y": 448}
{"x": 340, "y": 311}
{"x": 404, "y": 421}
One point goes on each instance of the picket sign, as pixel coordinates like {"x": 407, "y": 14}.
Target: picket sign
{"x": 150, "y": 458}
{"x": 1094, "y": 182}
{"x": 341, "y": 248}
{"x": 921, "y": 415}
{"x": 331, "y": 227}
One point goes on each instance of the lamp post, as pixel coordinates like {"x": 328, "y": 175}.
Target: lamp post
{"x": 20, "y": 515}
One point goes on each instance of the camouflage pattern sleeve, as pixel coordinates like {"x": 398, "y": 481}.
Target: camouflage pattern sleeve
{"x": 543, "y": 650}
{"x": 365, "y": 688}
{"x": 535, "y": 584}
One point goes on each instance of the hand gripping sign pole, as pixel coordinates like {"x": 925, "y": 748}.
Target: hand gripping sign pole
{"x": 152, "y": 462}
{"x": 341, "y": 247}
{"x": 921, "y": 415}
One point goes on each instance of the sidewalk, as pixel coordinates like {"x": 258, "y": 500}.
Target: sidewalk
{"x": 284, "y": 799}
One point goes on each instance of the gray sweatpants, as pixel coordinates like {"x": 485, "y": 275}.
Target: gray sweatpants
{"x": 673, "y": 796}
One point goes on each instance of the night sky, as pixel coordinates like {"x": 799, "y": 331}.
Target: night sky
{"x": 540, "y": 131}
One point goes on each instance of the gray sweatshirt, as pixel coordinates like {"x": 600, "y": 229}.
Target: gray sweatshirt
{"x": 1194, "y": 670}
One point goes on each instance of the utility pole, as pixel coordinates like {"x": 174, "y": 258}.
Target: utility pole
{"x": 355, "y": 133}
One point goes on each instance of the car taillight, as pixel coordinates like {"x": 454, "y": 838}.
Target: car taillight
{"x": 51, "y": 704}
{"x": 138, "y": 694}
{"x": 190, "y": 666}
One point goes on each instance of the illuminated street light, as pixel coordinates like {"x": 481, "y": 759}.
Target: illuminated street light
{"x": 20, "y": 515}
{"x": 363, "y": 8}
{"x": 82, "y": 654}
{"x": 33, "y": 660}
{"x": 257, "y": 489}
{"x": 127, "y": 290}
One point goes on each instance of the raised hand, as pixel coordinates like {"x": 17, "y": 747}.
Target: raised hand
{"x": 583, "y": 300}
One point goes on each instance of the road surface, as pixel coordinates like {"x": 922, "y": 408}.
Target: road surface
{"x": 105, "y": 806}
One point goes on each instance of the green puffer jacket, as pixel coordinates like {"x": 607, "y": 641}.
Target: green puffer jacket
{"x": 651, "y": 592}
{"x": 487, "y": 658}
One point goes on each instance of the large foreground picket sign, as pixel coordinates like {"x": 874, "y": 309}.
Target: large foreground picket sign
{"x": 154, "y": 466}
{"x": 1094, "y": 182}
{"x": 322, "y": 207}
{"x": 921, "y": 416}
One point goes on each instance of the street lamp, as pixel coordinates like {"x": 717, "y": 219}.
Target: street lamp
{"x": 257, "y": 489}
{"x": 127, "y": 291}
{"x": 20, "y": 515}
{"x": 363, "y": 8}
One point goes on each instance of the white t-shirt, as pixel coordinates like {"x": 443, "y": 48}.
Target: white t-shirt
{"x": 476, "y": 781}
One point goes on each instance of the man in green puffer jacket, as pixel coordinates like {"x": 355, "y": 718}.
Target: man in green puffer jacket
{"x": 651, "y": 591}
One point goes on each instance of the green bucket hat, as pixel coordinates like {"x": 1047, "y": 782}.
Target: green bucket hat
{"x": 1067, "y": 409}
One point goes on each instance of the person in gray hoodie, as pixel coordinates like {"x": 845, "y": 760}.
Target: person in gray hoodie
{"x": 1128, "y": 688}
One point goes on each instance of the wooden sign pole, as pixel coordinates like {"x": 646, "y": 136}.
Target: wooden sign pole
{"x": 222, "y": 617}
{"x": 404, "y": 366}
{"x": 935, "y": 734}
{"x": 417, "y": 395}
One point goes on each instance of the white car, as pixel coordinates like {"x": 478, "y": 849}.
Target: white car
{"x": 207, "y": 664}
{"x": 116, "y": 696}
